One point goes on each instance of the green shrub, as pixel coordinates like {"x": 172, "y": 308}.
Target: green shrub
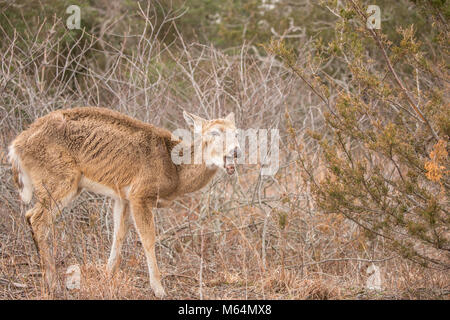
{"x": 387, "y": 134}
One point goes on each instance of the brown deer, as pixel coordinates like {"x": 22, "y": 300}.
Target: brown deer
{"x": 106, "y": 152}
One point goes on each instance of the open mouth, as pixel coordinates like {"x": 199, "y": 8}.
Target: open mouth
{"x": 229, "y": 165}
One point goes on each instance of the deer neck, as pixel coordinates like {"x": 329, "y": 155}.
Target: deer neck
{"x": 193, "y": 177}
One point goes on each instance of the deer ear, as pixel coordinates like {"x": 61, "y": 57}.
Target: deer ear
{"x": 193, "y": 121}
{"x": 230, "y": 117}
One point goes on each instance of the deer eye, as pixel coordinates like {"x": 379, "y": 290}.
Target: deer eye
{"x": 214, "y": 133}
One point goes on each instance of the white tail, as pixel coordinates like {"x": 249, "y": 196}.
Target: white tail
{"x": 21, "y": 177}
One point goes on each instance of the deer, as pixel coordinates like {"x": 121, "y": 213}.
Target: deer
{"x": 109, "y": 153}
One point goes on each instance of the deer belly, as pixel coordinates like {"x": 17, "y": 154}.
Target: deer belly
{"x": 96, "y": 187}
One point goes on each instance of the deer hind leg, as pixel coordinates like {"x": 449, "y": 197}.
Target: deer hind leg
{"x": 121, "y": 226}
{"x": 39, "y": 219}
{"x": 53, "y": 192}
{"x": 141, "y": 211}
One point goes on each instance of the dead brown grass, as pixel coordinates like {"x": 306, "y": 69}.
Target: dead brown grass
{"x": 315, "y": 265}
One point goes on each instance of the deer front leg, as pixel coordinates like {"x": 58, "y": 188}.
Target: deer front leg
{"x": 141, "y": 210}
{"x": 121, "y": 226}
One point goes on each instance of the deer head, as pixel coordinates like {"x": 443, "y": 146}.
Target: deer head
{"x": 218, "y": 139}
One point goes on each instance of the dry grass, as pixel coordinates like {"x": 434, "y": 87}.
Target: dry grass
{"x": 243, "y": 237}
{"x": 313, "y": 257}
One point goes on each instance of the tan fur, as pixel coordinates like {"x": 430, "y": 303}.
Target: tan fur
{"x": 104, "y": 151}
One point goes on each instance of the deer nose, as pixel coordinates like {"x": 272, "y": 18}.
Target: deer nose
{"x": 237, "y": 152}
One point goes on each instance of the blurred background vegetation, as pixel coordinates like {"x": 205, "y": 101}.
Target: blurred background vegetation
{"x": 226, "y": 24}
